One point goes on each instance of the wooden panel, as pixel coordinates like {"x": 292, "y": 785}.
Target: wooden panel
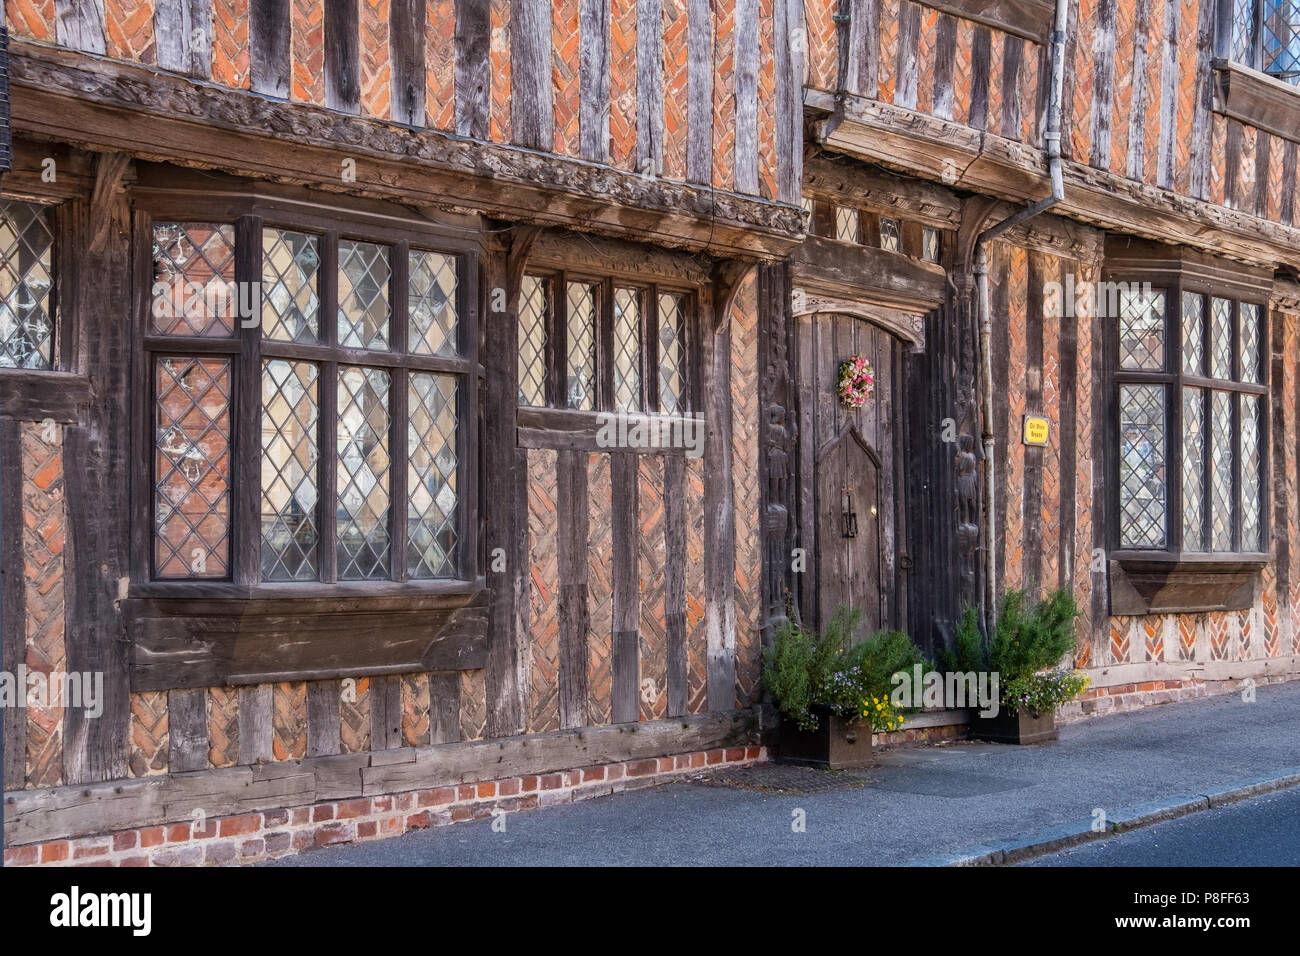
{"x": 342, "y": 65}
{"x": 183, "y": 36}
{"x": 542, "y": 640}
{"x": 386, "y": 713}
{"x": 650, "y": 132}
{"x": 255, "y": 724}
{"x": 600, "y": 610}
{"x": 206, "y": 643}
{"x": 593, "y": 119}
{"x": 1030, "y": 19}
{"x": 268, "y": 36}
{"x": 571, "y": 558}
{"x": 187, "y": 723}
{"x": 745, "y": 160}
{"x": 624, "y": 657}
{"x": 473, "y": 67}
{"x": 444, "y": 707}
{"x": 532, "y": 119}
{"x": 789, "y": 66}
{"x": 323, "y": 718}
{"x": 97, "y": 470}
{"x": 675, "y": 550}
{"x": 909, "y": 38}
{"x": 79, "y": 24}
{"x": 699, "y": 95}
{"x": 407, "y": 52}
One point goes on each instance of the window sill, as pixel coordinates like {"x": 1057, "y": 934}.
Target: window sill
{"x": 282, "y": 633}
{"x": 1257, "y": 99}
{"x": 1144, "y": 583}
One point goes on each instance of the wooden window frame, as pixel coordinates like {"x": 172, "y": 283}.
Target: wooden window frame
{"x": 250, "y": 213}
{"x": 556, "y": 353}
{"x": 1225, "y": 45}
{"x": 1174, "y": 379}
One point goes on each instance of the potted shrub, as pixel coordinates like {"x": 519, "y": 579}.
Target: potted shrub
{"x": 1025, "y": 651}
{"x": 832, "y": 692}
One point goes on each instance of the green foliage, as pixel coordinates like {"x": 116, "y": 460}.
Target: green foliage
{"x": 1025, "y": 643}
{"x": 802, "y": 669}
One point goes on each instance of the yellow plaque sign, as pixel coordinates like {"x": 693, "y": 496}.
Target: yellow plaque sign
{"x": 1037, "y": 430}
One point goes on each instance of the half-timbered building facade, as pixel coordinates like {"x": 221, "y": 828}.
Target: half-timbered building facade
{"x": 412, "y": 410}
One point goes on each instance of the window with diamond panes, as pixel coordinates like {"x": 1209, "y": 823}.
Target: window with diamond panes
{"x": 356, "y": 385}
{"x": 891, "y": 235}
{"x": 846, "y": 224}
{"x": 26, "y": 286}
{"x": 603, "y": 345}
{"x": 1191, "y": 395}
{"x": 1266, "y": 36}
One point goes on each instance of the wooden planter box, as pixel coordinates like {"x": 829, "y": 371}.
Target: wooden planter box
{"x": 836, "y": 744}
{"x": 1021, "y": 727}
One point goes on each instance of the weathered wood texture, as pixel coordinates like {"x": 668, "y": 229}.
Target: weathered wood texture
{"x": 13, "y": 616}
{"x": 167, "y": 119}
{"x": 269, "y": 44}
{"x": 202, "y": 643}
{"x": 183, "y": 34}
{"x": 409, "y": 53}
{"x": 41, "y": 815}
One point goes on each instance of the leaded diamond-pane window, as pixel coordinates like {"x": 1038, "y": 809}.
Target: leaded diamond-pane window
{"x": 1141, "y": 329}
{"x": 194, "y": 279}
{"x": 627, "y": 349}
{"x": 1250, "y": 474}
{"x": 1211, "y": 406}
{"x": 26, "y": 280}
{"x": 431, "y": 478}
{"x": 1193, "y": 334}
{"x": 891, "y": 235}
{"x": 192, "y": 467}
{"x": 1142, "y": 465}
{"x": 357, "y": 457}
{"x": 364, "y": 464}
{"x": 1194, "y": 461}
{"x": 1266, "y": 36}
{"x": 672, "y": 354}
{"x": 1221, "y": 338}
{"x": 1249, "y": 345}
{"x": 580, "y": 333}
{"x": 432, "y": 298}
{"x": 364, "y": 310}
{"x": 929, "y": 244}
{"x": 534, "y": 299}
{"x": 290, "y": 454}
{"x": 290, "y": 286}
{"x": 846, "y": 224}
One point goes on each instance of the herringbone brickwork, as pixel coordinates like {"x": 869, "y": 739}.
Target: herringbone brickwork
{"x": 544, "y": 575}
{"x": 376, "y": 59}
{"x": 600, "y": 593}
{"x": 44, "y": 531}
{"x": 653, "y": 560}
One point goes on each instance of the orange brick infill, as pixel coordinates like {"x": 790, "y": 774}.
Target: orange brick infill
{"x": 253, "y": 837}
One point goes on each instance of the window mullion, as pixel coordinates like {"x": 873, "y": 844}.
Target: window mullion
{"x": 604, "y": 319}
{"x": 327, "y": 497}
{"x": 246, "y": 394}
{"x": 399, "y": 297}
{"x": 650, "y": 351}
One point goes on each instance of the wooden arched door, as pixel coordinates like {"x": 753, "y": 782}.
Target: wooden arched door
{"x": 849, "y": 457}
{"x": 848, "y": 529}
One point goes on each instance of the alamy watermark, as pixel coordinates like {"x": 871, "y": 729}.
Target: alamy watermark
{"x": 78, "y": 690}
{"x": 953, "y": 690}
{"x": 1104, "y": 300}
{"x": 642, "y": 432}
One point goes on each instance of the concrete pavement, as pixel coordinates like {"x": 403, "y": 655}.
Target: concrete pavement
{"x": 923, "y": 806}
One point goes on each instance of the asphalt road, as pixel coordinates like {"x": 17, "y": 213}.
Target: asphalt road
{"x": 1263, "y": 831}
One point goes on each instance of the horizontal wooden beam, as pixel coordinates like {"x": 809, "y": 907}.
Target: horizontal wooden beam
{"x": 966, "y": 158}
{"x": 34, "y": 816}
{"x": 37, "y": 396}
{"x": 205, "y": 643}
{"x": 106, "y": 105}
{"x": 571, "y": 429}
{"x": 852, "y": 184}
{"x": 851, "y": 270}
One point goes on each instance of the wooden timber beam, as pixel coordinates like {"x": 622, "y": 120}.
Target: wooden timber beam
{"x": 107, "y": 106}
{"x": 966, "y": 158}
